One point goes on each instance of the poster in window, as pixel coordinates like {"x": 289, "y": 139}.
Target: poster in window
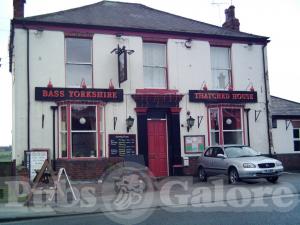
{"x": 194, "y": 144}
{"x": 122, "y": 64}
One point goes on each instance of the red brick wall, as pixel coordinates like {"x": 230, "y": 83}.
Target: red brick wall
{"x": 289, "y": 161}
{"x": 89, "y": 169}
{"x": 192, "y": 169}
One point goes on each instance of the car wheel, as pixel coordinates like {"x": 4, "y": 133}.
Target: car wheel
{"x": 202, "y": 174}
{"x": 233, "y": 176}
{"x": 272, "y": 180}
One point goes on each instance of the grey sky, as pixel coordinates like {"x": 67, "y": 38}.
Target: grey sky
{"x": 276, "y": 19}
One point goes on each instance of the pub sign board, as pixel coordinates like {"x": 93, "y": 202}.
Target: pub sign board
{"x": 122, "y": 64}
{"x": 121, "y": 145}
{"x": 83, "y": 94}
{"x": 222, "y": 96}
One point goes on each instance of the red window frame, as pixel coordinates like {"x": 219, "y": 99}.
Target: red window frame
{"x": 220, "y": 111}
{"x": 99, "y": 108}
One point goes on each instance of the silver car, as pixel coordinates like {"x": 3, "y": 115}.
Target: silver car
{"x": 238, "y": 162}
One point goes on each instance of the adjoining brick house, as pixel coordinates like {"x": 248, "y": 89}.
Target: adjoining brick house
{"x": 99, "y": 82}
{"x": 286, "y": 131}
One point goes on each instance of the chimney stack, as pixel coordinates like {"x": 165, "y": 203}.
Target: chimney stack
{"x": 231, "y": 22}
{"x": 19, "y": 8}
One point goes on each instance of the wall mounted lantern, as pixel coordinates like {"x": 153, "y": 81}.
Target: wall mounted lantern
{"x": 129, "y": 123}
{"x": 190, "y": 123}
{"x": 188, "y": 43}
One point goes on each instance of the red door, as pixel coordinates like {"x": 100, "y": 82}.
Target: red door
{"x": 157, "y": 147}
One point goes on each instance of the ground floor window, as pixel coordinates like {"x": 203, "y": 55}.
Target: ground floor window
{"x": 226, "y": 125}
{"x": 296, "y": 135}
{"x": 80, "y": 130}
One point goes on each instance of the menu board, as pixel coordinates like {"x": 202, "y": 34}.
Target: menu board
{"x": 194, "y": 144}
{"x": 122, "y": 144}
{"x": 35, "y": 160}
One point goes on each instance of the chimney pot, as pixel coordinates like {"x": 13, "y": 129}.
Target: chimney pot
{"x": 19, "y": 8}
{"x": 231, "y": 22}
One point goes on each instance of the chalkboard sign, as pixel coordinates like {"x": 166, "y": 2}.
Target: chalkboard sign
{"x": 122, "y": 144}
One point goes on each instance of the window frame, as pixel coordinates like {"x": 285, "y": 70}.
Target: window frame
{"x": 296, "y": 139}
{"x": 79, "y": 63}
{"x": 166, "y": 78}
{"x": 220, "y": 121}
{"x": 229, "y": 69}
{"x": 100, "y": 131}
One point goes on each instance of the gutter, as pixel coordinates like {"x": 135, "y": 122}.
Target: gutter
{"x": 28, "y": 92}
{"x": 267, "y": 99}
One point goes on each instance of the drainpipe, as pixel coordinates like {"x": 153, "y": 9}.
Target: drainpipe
{"x": 28, "y": 92}
{"x": 53, "y": 108}
{"x": 248, "y": 129}
{"x": 267, "y": 99}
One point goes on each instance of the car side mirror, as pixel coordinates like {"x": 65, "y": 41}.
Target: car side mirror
{"x": 221, "y": 156}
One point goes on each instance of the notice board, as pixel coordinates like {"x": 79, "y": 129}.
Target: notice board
{"x": 194, "y": 144}
{"x": 122, "y": 144}
{"x": 35, "y": 160}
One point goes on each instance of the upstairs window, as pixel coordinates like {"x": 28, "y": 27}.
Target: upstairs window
{"x": 78, "y": 62}
{"x": 155, "y": 66}
{"x": 220, "y": 67}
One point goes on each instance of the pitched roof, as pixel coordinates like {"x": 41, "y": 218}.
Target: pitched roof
{"x": 283, "y": 108}
{"x": 136, "y": 16}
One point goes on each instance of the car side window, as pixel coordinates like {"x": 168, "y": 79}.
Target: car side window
{"x": 217, "y": 151}
{"x": 208, "y": 152}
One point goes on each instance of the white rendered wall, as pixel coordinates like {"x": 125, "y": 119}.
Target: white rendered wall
{"x": 283, "y": 138}
{"x": 187, "y": 70}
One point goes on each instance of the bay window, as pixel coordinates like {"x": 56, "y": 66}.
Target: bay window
{"x": 78, "y": 62}
{"x": 232, "y": 126}
{"x": 155, "y": 65}
{"x": 220, "y": 67}
{"x": 81, "y": 131}
{"x": 214, "y": 126}
{"x": 226, "y": 125}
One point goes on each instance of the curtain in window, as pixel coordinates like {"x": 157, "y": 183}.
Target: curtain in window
{"x": 220, "y": 65}
{"x": 78, "y": 62}
{"x": 154, "y": 57}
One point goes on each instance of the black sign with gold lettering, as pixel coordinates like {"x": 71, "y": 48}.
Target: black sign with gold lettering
{"x": 122, "y": 144}
{"x": 62, "y": 94}
{"x": 222, "y": 96}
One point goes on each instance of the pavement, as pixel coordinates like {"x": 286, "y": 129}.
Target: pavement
{"x": 170, "y": 193}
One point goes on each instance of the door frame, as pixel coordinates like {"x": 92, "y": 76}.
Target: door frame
{"x": 167, "y": 139}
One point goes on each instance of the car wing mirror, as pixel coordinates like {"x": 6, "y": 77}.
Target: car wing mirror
{"x": 221, "y": 156}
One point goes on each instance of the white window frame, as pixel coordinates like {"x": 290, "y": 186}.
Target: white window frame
{"x": 156, "y": 66}
{"x": 67, "y": 62}
{"x": 296, "y": 139}
{"x": 229, "y": 69}
{"x": 236, "y": 130}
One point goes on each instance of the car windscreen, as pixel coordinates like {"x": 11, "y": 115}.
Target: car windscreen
{"x": 240, "y": 151}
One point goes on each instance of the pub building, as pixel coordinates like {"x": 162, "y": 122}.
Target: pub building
{"x": 95, "y": 84}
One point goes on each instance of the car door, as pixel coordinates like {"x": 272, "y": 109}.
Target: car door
{"x": 219, "y": 165}
{"x": 207, "y": 161}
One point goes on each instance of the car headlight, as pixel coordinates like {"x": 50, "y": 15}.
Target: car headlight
{"x": 278, "y": 163}
{"x": 249, "y": 165}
